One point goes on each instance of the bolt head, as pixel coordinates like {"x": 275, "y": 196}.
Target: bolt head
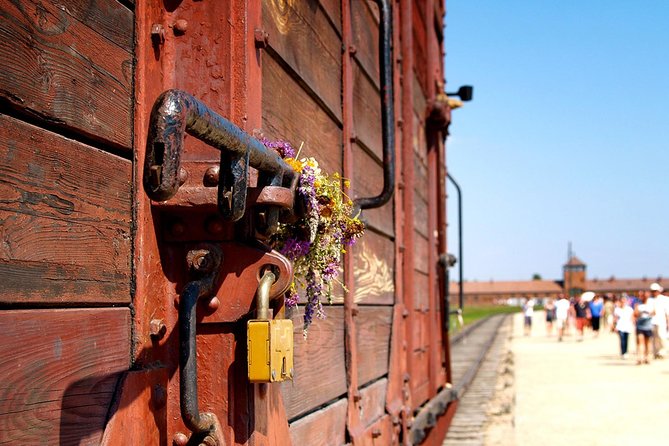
{"x": 179, "y": 439}
{"x": 211, "y": 176}
{"x": 180, "y": 26}
{"x": 157, "y": 328}
{"x": 214, "y": 304}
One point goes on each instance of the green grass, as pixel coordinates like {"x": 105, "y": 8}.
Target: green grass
{"x": 472, "y": 314}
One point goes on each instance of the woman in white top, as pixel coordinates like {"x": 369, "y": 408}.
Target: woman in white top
{"x": 624, "y": 322}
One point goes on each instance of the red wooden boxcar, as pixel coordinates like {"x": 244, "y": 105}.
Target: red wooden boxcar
{"x": 93, "y": 272}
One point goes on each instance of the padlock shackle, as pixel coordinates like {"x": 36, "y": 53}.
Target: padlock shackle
{"x": 262, "y": 295}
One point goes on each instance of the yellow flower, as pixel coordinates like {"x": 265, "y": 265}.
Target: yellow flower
{"x": 295, "y": 164}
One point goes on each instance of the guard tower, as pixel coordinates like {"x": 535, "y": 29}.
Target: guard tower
{"x": 574, "y": 276}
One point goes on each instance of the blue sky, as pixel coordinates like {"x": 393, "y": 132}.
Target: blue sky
{"x": 566, "y": 139}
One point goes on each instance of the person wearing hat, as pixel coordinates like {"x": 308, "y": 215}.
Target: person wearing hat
{"x": 661, "y": 303}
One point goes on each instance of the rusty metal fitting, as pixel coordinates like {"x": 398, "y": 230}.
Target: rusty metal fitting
{"x": 353, "y": 138}
{"x": 357, "y": 396}
{"x": 405, "y": 313}
{"x": 199, "y": 260}
{"x": 376, "y": 432}
{"x": 211, "y": 176}
{"x": 355, "y": 311}
{"x": 157, "y": 34}
{"x": 261, "y": 38}
{"x": 157, "y": 329}
{"x": 406, "y": 378}
{"x": 180, "y": 26}
{"x": 180, "y": 439}
{"x": 352, "y": 50}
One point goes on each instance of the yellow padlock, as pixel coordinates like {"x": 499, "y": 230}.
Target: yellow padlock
{"x": 269, "y": 341}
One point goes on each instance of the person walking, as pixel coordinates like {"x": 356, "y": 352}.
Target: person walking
{"x": 661, "y": 304}
{"x": 596, "y": 309}
{"x": 643, "y": 314}
{"x": 550, "y": 316}
{"x": 528, "y": 311}
{"x": 582, "y": 309}
{"x": 623, "y": 315}
{"x": 562, "y": 307}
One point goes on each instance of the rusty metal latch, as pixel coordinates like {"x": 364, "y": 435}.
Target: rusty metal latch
{"x": 176, "y": 113}
{"x": 204, "y": 265}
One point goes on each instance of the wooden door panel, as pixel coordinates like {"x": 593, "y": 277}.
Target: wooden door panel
{"x": 70, "y": 67}
{"x": 367, "y": 181}
{"x": 320, "y": 375}
{"x": 290, "y": 113}
{"x": 59, "y": 372}
{"x": 302, "y": 36}
{"x": 374, "y": 270}
{"x": 65, "y": 213}
{"x": 325, "y": 427}
{"x": 373, "y": 325}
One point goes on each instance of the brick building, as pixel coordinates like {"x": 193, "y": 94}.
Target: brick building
{"x": 574, "y": 279}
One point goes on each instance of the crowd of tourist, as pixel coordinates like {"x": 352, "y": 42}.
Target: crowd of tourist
{"x": 644, "y": 315}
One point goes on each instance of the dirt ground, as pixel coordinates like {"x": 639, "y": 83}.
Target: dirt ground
{"x": 577, "y": 393}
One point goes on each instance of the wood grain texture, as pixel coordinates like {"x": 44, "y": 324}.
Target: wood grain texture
{"x": 373, "y": 401}
{"x": 59, "y": 373}
{"x": 421, "y": 291}
{"x": 367, "y": 112}
{"x": 421, "y": 248}
{"x": 374, "y": 324}
{"x": 290, "y": 114}
{"x": 365, "y": 29}
{"x": 301, "y": 35}
{"x": 420, "y": 210}
{"x": 324, "y": 427}
{"x": 65, "y": 219}
{"x": 69, "y": 65}
{"x": 367, "y": 181}
{"x": 374, "y": 270}
{"x": 320, "y": 374}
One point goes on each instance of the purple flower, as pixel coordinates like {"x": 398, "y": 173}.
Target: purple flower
{"x": 294, "y": 248}
{"x": 283, "y": 147}
{"x": 331, "y": 271}
{"x": 291, "y": 298}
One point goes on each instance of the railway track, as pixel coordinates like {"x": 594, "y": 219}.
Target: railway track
{"x": 474, "y": 363}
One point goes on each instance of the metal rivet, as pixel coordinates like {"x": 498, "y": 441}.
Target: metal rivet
{"x": 273, "y": 374}
{"x": 157, "y": 33}
{"x": 261, "y": 37}
{"x": 376, "y": 432}
{"x": 357, "y": 397}
{"x": 214, "y": 226}
{"x": 177, "y": 229}
{"x": 179, "y": 439}
{"x": 214, "y": 304}
{"x": 180, "y": 26}
{"x": 352, "y": 49}
{"x": 157, "y": 328}
{"x": 183, "y": 176}
{"x": 211, "y": 176}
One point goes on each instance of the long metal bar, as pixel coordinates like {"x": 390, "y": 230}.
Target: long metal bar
{"x": 176, "y": 113}
{"x": 387, "y": 108}
{"x": 460, "y": 262}
{"x": 206, "y": 264}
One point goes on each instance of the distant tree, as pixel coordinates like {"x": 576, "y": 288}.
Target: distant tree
{"x": 536, "y": 276}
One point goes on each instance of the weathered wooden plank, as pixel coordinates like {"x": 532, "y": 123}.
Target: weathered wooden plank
{"x": 367, "y": 181}
{"x": 420, "y": 46}
{"x": 365, "y": 29}
{"x": 59, "y": 373}
{"x": 320, "y": 375}
{"x": 373, "y": 341}
{"x": 290, "y": 114}
{"x": 333, "y": 10}
{"x": 324, "y": 427}
{"x": 373, "y": 401}
{"x": 374, "y": 270}
{"x": 302, "y": 36}
{"x": 420, "y": 382}
{"x": 65, "y": 210}
{"x": 66, "y": 72}
{"x": 421, "y": 249}
{"x": 421, "y": 291}
{"x": 367, "y": 112}
{"x": 420, "y": 215}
